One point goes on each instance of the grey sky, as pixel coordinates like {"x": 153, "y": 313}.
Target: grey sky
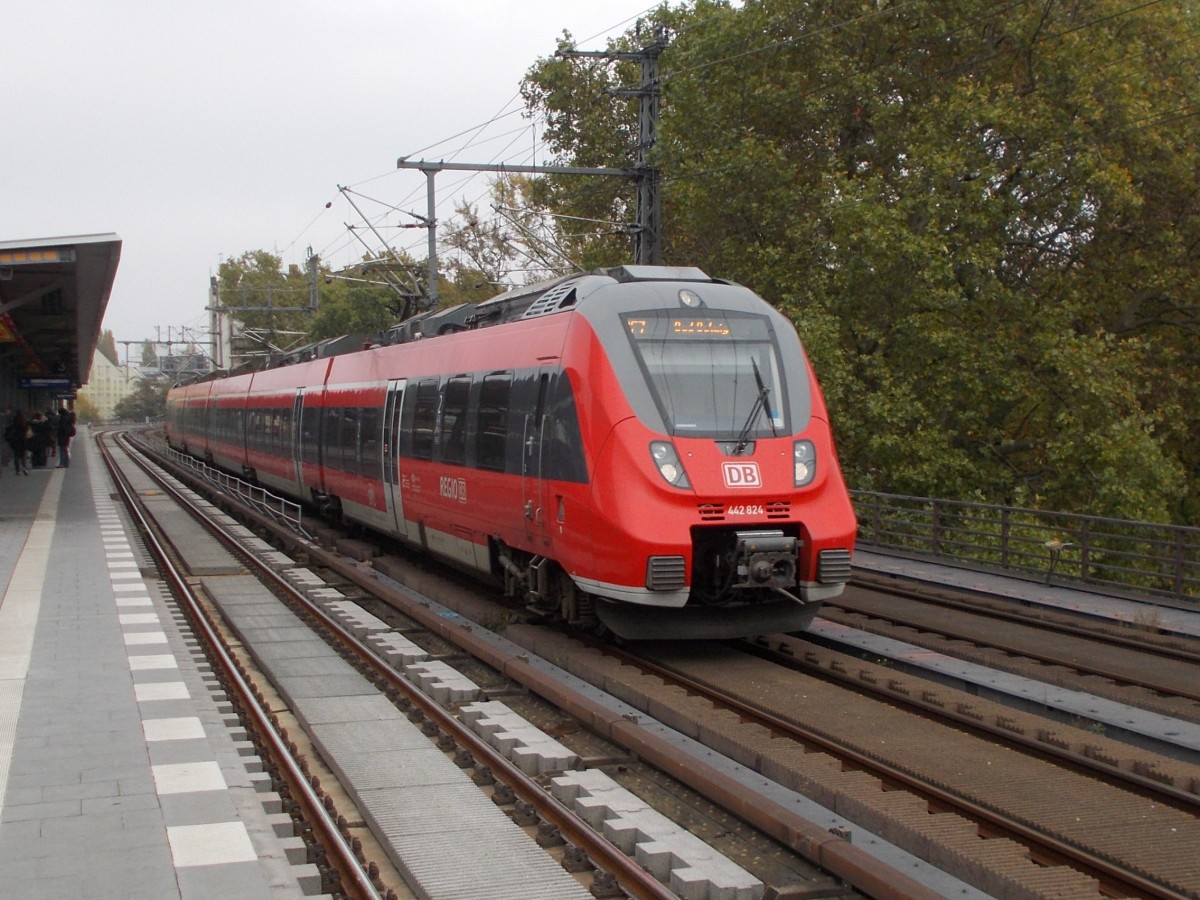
{"x": 196, "y": 131}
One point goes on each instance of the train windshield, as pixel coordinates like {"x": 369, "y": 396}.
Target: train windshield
{"x": 715, "y": 375}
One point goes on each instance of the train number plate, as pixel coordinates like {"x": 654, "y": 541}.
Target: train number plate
{"x": 750, "y": 509}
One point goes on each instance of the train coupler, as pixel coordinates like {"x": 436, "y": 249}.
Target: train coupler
{"x": 765, "y": 559}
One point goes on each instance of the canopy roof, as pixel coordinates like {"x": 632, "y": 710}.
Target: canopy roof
{"x": 53, "y": 293}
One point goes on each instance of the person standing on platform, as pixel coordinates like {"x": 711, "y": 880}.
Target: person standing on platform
{"x": 5, "y": 446}
{"x": 17, "y": 437}
{"x": 66, "y": 431}
{"x": 40, "y": 440}
{"x": 51, "y": 434}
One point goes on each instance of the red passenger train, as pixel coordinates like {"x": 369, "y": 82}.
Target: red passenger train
{"x": 643, "y": 448}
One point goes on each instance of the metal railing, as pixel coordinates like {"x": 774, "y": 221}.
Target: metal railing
{"x": 1120, "y": 556}
{"x": 279, "y": 508}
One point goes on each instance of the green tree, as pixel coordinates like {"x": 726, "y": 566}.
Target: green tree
{"x": 107, "y": 345}
{"x": 982, "y": 218}
{"x": 589, "y": 120}
{"x": 374, "y": 294}
{"x": 269, "y": 303}
{"x": 519, "y": 244}
{"x": 147, "y": 402}
{"x": 85, "y": 410}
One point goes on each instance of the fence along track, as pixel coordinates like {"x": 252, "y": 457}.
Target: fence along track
{"x": 1139, "y": 559}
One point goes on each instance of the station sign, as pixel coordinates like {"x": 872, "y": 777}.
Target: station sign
{"x": 47, "y": 382}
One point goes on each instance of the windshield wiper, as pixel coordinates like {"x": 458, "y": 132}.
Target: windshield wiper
{"x": 761, "y": 403}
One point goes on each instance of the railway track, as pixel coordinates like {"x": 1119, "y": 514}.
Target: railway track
{"x": 344, "y": 865}
{"x": 1108, "y": 783}
{"x": 823, "y": 736}
{"x": 1129, "y": 663}
{"x": 616, "y": 871}
{"x": 994, "y": 857}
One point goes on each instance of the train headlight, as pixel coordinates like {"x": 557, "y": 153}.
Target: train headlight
{"x": 668, "y": 464}
{"x": 804, "y": 460}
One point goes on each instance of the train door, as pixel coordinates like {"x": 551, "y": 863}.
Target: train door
{"x": 532, "y": 488}
{"x": 297, "y": 410}
{"x": 391, "y": 452}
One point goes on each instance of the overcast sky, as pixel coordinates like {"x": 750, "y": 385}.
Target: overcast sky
{"x": 199, "y": 130}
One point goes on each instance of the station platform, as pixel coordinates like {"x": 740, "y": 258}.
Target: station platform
{"x": 121, "y": 773}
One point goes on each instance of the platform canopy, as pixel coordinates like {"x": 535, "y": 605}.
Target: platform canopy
{"x": 53, "y": 293}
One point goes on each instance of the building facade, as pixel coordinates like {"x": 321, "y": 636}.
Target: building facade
{"x": 108, "y": 385}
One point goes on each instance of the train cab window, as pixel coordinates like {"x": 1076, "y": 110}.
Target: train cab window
{"x": 491, "y": 428}
{"x": 454, "y": 421}
{"x": 717, "y": 375}
{"x": 424, "y": 419}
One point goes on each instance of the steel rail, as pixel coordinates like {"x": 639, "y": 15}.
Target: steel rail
{"x": 1052, "y": 848}
{"x": 632, "y": 878}
{"x": 831, "y": 852}
{"x": 869, "y": 583}
{"x": 1014, "y": 649}
{"x": 354, "y": 878}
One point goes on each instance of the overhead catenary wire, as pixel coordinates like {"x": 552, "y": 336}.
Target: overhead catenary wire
{"x": 475, "y": 134}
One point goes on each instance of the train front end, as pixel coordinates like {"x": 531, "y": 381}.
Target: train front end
{"x": 720, "y": 505}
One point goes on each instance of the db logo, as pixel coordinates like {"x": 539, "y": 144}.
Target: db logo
{"x": 742, "y": 474}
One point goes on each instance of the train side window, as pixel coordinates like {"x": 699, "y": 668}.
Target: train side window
{"x": 254, "y": 430}
{"x": 285, "y": 431}
{"x": 331, "y": 425}
{"x": 348, "y": 442}
{"x": 310, "y": 418}
{"x": 491, "y": 431}
{"x": 424, "y": 419}
{"x": 370, "y": 459}
{"x": 562, "y": 442}
{"x": 454, "y": 420}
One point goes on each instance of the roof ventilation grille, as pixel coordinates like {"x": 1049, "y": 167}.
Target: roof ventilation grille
{"x": 558, "y": 298}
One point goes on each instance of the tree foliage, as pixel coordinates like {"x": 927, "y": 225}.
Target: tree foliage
{"x": 86, "y": 411}
{"x": 268, "y": 302}
{"x": 378, "y": 292}
{"x": 983, "y": 219}
{"x": 107, "y": 345}
{"x": 146, "y": 403}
